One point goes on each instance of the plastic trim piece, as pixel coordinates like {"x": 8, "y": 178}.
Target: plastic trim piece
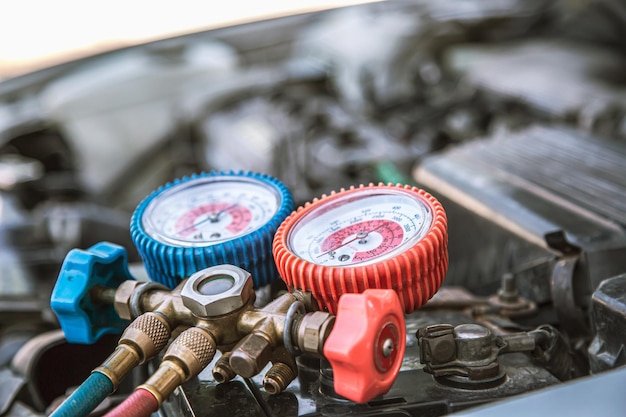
{"x": 103, "y": 264}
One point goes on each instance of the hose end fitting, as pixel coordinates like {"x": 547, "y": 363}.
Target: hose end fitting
{"x": 148, "y": 334}
{"x": 191, "y": 352}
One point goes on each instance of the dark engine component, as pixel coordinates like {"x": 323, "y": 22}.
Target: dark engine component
{"x": 546, "y": 204}
{"x": 414, "y": 393}
{"x": 608, "y": 349}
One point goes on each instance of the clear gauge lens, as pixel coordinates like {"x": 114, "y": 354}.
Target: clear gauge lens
{"x": 207, "y": 211}
{"x": 361, "y": 228}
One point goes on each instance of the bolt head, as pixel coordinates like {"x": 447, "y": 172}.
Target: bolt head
{"x": 123, "y": 295}
{"x": 217, "y": 291}
{"x": 313, "y": 331}
{"x": 251, "y": 354}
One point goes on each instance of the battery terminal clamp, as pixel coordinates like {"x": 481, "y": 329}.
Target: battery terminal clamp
{"x": 466, "y": 356}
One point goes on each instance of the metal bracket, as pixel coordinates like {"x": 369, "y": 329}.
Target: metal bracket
{"x": 571, "y": 317}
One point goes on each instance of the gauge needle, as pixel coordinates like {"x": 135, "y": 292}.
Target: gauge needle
{"x": 212, "y": 217}
{"x": 360, "y": 235}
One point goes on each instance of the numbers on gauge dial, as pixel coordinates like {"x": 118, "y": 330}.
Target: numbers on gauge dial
{"x": 346, "y": 233}
{"x": 210, "y": 212}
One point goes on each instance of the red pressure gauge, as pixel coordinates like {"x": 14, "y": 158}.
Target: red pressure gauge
{"x": 376, "y": 236}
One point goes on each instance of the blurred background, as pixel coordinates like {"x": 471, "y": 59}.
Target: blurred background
{"x": 35, "y": 34}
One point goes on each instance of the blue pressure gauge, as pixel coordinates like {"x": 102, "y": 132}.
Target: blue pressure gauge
{"x": 211, "y": 219}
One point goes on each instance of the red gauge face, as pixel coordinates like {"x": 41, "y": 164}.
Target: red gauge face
{"x": 360, "y": 228}
{"x": 363, "y": 241}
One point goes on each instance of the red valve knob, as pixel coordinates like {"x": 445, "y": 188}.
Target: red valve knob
{"x": 379, "y": 236}
{"x": 366, "y": 345}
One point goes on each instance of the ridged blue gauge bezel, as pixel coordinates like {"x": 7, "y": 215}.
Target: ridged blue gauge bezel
{"x": 169, "y": 263}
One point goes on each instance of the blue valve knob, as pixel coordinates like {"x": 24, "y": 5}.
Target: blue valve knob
{"x": 82, "y": 320}
{"x": 210, "y": 219}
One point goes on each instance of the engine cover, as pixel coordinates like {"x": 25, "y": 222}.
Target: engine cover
{"x": 546, "y": 204}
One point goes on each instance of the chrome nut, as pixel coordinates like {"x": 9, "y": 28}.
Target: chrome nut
{"x": 123, "y": 295}
{"x": 217, "y": 291}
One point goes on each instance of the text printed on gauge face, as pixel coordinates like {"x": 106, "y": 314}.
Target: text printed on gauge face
{"x": 362, "y": 228}
{"x": 208, "y": 211}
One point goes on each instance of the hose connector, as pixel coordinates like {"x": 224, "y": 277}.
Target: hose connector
{"x": 146, "y": 336}
{"x": 189, "y": 354}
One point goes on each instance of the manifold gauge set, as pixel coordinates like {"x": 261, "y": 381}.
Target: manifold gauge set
{"x": 353, "y": 263}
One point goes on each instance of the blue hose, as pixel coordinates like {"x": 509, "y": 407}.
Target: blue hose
{"x": 86, "y": 398}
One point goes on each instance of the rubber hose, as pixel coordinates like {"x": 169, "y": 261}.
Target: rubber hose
{"x": 86, "y": 397}
{"x": 140, "y": 403}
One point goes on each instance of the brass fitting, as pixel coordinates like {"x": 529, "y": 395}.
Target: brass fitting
{"x": 264, "y": 328}
{"x": 278, "y": 378}
{"x": 218, "y": 303}
{"x": 312, "y": 330}
{"x": 133, "y": 298}
{"x": 222, "y": 372}
{"x": 123, "y": 295}
{"x": 251, "y": 354}
{"x": 119, "y": 364}
{"x": 191, "y": 352}
{"x": 148, "y": 333}
{"x": 283, "y": 371}
{"x": 146, "y": 336}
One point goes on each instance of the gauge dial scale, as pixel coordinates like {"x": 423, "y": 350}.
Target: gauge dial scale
{"x": 360, "y": 228}
{"x": 380, "y": 236}
{"x": 210, "y": 219}
{"x": 208, "y": 211}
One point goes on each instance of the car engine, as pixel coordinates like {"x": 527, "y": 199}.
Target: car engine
{"x": 393, "y": 209}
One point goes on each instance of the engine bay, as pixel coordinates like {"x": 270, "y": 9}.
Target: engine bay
{"x": 455, "y": 172}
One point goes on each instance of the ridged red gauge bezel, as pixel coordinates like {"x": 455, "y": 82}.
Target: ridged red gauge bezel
{"x": 415, "y": 274}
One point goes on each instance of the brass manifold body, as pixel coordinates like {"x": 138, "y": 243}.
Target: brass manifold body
{"x": 213, "y": 310}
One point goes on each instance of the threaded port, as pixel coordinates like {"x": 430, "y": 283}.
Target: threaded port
{"x": 271, "y": 386}
{"x": 278, "y": 378}
{"x": 222, "y": 372}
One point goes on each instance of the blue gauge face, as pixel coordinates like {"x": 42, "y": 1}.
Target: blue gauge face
{"x": 211, "y": 219}
{"x": 210, "y": 210}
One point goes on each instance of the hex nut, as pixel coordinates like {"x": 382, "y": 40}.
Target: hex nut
{"x": 251, "y": 355}
{"x": 217, "y": 290}
{"x": 313, "y": 330}
{"x": 123, "y": 295}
